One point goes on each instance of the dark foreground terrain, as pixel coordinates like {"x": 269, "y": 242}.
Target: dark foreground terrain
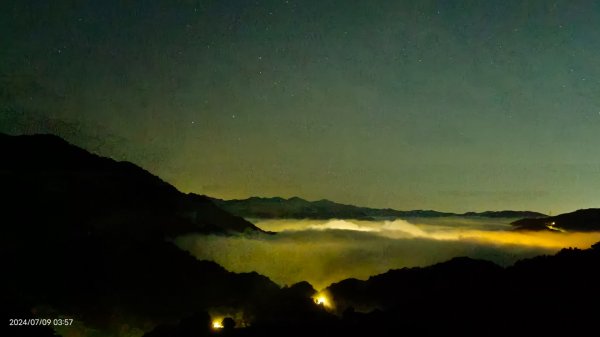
{"x": 544, "y": 296}
{"x": 90, "y": 238}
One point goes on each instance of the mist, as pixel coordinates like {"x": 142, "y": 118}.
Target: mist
{"x": 327, "y": 251}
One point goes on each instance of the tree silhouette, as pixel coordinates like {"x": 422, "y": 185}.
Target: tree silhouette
{"x": 228, "y": 324}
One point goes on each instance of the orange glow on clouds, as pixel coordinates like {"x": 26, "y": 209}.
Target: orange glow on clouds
{"x": 326, "y": 251}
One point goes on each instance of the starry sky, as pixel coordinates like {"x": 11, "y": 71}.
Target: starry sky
{"x": 446, "y": 105}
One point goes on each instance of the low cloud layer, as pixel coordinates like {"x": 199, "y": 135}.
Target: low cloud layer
{"x": 326, "y": 251}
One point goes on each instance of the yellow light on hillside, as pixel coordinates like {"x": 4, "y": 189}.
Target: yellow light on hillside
{"x": 217, "y": 324}
{"x": 323, "y": 299}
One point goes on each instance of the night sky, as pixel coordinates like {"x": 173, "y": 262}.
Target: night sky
{"x": 447, "y": 105}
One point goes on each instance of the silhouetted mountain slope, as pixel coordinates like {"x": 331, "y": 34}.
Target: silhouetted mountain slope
{"x": 46, "y": 179}
{"x": 543, "y": 296}
{"x": 581, "y": 220}
{"x": 88, "y": 237}
{"x": 387, "y": 290}
{"x": 297, "y": 208}
{"x": 291, "y": 312}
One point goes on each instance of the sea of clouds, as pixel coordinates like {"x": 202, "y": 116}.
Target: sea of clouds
{"x": 326, "y": 251}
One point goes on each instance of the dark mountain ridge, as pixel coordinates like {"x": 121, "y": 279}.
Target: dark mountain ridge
{"x": 298, "y": 208}
{"x": 541, "y": 296}
{"x": 583, "y": 220}
{"x": 48, "y": 178}
{"x": 89, "y": 238}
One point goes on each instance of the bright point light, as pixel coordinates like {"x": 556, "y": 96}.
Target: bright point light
{"x": 216, "y": 324}
{"x": 321, "y": 299}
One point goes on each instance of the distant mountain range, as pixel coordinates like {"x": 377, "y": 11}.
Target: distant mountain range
{"x": 581, "y": 220}
{"x": 298, "y": 208}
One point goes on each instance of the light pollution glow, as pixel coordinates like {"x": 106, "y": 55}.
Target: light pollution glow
{"x": 216, "y": 324}
{"x": 323, "y": 299}
{"x": 326, "y": 251}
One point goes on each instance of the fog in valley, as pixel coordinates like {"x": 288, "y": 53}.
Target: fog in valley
{"x": 326, "y": 251}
